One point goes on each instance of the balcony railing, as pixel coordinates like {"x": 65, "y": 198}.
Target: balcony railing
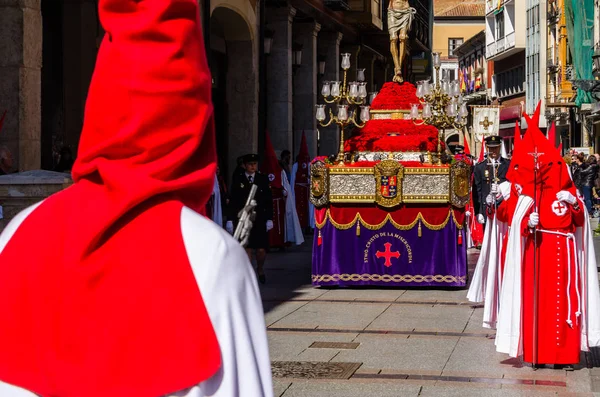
{"x": 501, "y": 45}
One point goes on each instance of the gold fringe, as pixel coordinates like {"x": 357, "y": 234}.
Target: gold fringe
{"x": 420, "y": 233}
{"x": 357, "y": 229}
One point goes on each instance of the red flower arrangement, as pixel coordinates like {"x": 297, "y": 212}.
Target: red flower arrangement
{"x": 393, "y": 136}
{"x": 395, "y": 96}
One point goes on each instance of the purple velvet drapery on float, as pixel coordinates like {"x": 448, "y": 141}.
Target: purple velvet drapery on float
{"x": 390, "y": 257}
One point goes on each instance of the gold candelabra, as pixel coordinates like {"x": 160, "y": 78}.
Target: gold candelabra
{"x": 442, "y": 105}
{"x": 348, "y": 97}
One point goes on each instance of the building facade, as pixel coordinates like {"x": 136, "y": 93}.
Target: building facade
{"x": 454, "y": 23}
{"x": 474, "y": 78}
{"x": 505, "y": 29}
{"x": 268, "y": 59}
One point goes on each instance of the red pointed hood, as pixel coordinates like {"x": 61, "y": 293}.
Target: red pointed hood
{"x": 303, "y": 155}
{"x": 303, "y": 162}
{"x": 107, "y": 303}
{"x": 552, "y": 134}
{"x": 466, "y": 145}
{"x": 482, "y": 153}
{"x": 270, "y": 165}
{"x": 552, "y": 172}
{"x": 512, "y": 174}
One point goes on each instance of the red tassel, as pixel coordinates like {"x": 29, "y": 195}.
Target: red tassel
{"x": 459, "y": 238}
{"x": 319, "y": 239}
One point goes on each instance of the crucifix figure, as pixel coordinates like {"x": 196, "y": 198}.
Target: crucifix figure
{"x": 400, "y": 15}
{"x": 486, "y": 123}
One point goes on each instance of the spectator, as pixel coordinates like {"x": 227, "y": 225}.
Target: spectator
{"x": 588, "y": 175}
{"x": 577, "y": 166}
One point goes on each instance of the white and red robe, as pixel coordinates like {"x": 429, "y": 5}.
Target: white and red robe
{"x": 568, "y": 309}
{"x": 232, "y": 299}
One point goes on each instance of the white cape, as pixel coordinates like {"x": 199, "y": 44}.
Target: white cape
{"x": 486, "y": 278}
{"x": 293, "y": 231}
{"x": 311, "y": 207}
{"x": 217, "y": 213}
{"x": 232, "y": 298}
{"x": 508, "y": 336}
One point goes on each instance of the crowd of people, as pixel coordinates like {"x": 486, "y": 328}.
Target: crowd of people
{"x": 586, "y": 177}
{"x": 282, "y": 201}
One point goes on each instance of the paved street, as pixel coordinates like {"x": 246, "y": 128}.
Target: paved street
{"x": 392, "y": 342}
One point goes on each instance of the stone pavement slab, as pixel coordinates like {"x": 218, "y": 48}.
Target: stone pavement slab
{"x": 469, "y": 391}
{"x": 333, "y": 315}
{"x": 288, "y": 346}
{"x": 363, "y": 294}
{"x": 275, "y": 312}
{"x": 350, "y": 389}
{"x": 400, "y": 353}
{"x": 434, "y": 295}
{"x": 423, "y": 318}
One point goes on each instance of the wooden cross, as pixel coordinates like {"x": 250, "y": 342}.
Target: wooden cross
{"x": 486, "y": 123}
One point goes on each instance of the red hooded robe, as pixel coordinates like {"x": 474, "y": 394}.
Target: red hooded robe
{"x": 558, "y": 341}
{"x": 106, "y": 301}
{"x": 273, "y": 170}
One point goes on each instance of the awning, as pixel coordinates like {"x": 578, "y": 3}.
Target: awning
{"x": 510, "y": 113}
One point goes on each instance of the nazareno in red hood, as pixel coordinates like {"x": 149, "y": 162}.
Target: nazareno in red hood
{"x": 97, "y": 296}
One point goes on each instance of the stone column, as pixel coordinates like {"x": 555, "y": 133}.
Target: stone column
{"x": 329, "y": 44}
{"x": 20, "y": 81}
{"x": 242, "y": 100}
{"x": 305, "y": 88}
{"x": 279, "y": 79}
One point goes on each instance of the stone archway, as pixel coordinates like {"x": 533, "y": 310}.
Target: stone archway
{"x": 235, "y": 93}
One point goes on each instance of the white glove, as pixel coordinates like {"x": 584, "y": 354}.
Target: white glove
{"x": 566, "y": 197}
{"x": 489, "y": 200}
{"x": 534, "y": 219}
{"x": 481, "y": 219}
{"x": 229, "y": 227}
{"x": 494, "y": 188}
{"x": 285, "y": 193}
{"x": 504, "y": 190}
{"x": 269, "y": 225}
{"x": 467, "y": 213}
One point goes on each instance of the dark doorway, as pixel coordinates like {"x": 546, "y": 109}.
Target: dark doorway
{"x": 218, "y": 67}
{"x": 52, "y": 83}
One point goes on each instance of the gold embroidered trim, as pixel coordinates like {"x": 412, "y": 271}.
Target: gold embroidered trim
{"x": 388, "y": 278}
{"x": 388, "y": 218}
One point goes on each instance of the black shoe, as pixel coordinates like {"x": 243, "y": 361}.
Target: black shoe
{"x": 262, "y": 278}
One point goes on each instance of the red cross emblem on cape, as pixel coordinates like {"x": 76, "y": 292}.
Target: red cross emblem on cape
{"x": 559, "y": 208}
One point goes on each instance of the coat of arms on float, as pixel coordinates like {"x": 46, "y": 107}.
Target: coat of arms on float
{"x": 388, "y": 180}
{"x": 319, "y": 184}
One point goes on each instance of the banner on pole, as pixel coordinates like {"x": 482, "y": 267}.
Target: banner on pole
{"x": 486, "y": 121}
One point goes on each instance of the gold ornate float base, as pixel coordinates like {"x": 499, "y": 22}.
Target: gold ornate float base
{"x": 389, "y": 184}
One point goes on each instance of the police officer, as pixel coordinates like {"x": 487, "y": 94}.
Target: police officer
{"x": 488, "y": 175}
{"x": 240, "y": 189}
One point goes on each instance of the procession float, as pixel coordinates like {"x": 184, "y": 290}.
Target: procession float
{"x": 390, "y": 208}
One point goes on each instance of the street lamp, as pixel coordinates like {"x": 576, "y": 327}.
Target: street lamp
{"x": 321, "y": 59}
{"x": 296, "y": 54}
{"x": 347, "y": 97}
{"x": 442, "y": 105}
{"x": 268, "y": 40}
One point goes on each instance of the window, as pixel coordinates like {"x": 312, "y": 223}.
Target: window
{"x": 510, "y": 82}
{"x": 499, "y": 26}
{"x": 454, "y": 43}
